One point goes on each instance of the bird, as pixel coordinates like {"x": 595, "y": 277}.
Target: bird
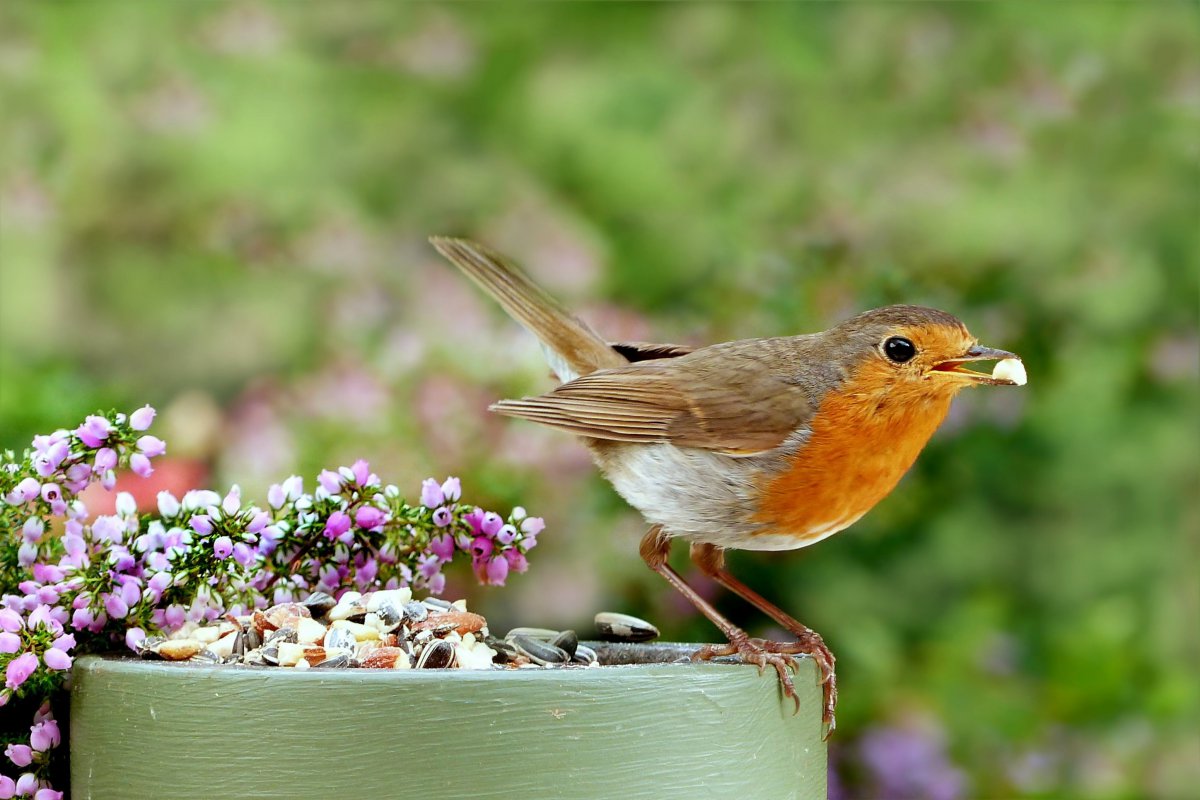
{"x": 766, "y": 444}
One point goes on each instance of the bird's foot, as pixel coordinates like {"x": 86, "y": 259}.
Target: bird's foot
{"x": 780, "y": 655}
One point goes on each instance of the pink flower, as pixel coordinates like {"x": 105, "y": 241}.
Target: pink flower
{"x": 140, "y": 464}
{"x": 276, "y": 496}
{"x": 369, "y": 517}
{"x": 10, "y": 620}
{"x": 474, "y": 518}
{"x": 330, "y": 481}
{"x": 19, "y": 670}
{"x": 532, "y": 526}
{"x": 442, "y": 547}
{"x": 27, "y": 784}
{"x": 152, "y": 446}
{"x": 21, "y": 755}
{"x": 452, "y": 489}
{"x": 135, "y": 636}
{"x": 201, "y": 524}
{"x": 93, "y": 431}
{"x": 106, "y": 459}
{"x": 516, "y": 560}
{"x": 141, "y": 419}
{"x": 337, "y": 524}
{"x": 491, "y": 523}
{"x": 442, "y": 517}
{"x": 362, "y": 472}
{"x": 56, "y": 659}
{"x": 9, "y": 642}
{"x": 115, "y": 606}
{"x": 481, "y": 548}
{"x": 82, "y": 618}
{"x": 26, "y": 490}
{"x": 8, "y": 787}
{"x": 243, "y": 554}
{"x": 46, "y": 793}
{"x": 259, "y": 521}
{"x": 497, "y": 571}
{"x": 45, "y": 735}
{"x": 506, "y": 535}
{"x": 222, "y": 547}
{"x": 431, "y": 493}
{"x": 64, "y": 642}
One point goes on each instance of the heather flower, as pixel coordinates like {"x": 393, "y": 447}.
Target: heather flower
{"x": 497, "y": 570}
{"x": 330, "y": 481}
{"x": 442, "y": 517}
{"x": 106, "y": 459}
{"x": 93, "y": 431}
{"x": 482, "y": 547}
{"x": 442, "y": 547}
{"x": 8, "y": 787}
{"x": 452, "y": 489}
{"x": 168, "y": 505}
{"x": 45, "y": 735}
{"x": 9, "y": 642}
{"x": 506, "y": 535}
{"x": 19, "y": 670}
{"x": 126, "y": 506}
{"x": 26, "y": 490}
{"x": 338, "y": 524}
{"x": 491, "y": 523}
{"x": 222, "y": 547}
{"x": 115, "y": 606}
{"x": 32, "y": 530}
{"x": 141, "y": 419}
{"x": 201, "y": 524}
{"x": 369, "y": 517}
{"x": 432, "y": 495}
{"x": 21, "y": 755}
{"x": 516, "y": 560}
{"x": 532, "y": 526}
{"x": 56, "y": 659}
{"x": 47, "y": 793}
{"x": 140, "y": 465}
{"x": 10, "y": 620}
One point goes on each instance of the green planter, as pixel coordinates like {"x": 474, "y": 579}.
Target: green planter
{"x": 144, "y": 729}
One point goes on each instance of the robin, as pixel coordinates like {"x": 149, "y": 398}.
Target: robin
{"x": 755, "y": 444}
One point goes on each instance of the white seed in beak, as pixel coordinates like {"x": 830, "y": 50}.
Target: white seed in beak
{"x": 1010, "y": 369}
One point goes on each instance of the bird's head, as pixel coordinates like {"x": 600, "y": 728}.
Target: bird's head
{"x": 922, "y": 351}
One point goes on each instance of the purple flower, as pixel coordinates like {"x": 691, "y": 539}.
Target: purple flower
{"x": 108, "y": 529}
{"x": 337, "y": 524}
{"x": 232, "y": 502}
{"x": 82, "y": 618}
{"x": 532, "y": 526}
{"x": 491, "y": 523}
{"x": 516, "y": 560}
{"x": 33, "y": 529}
{"x": 437, "y": 584}
{"x": 45, "y": 735}
{"x": 140, "y": 464}
{"x": 442, "y": 547}
{"x": 153, "y": 446}
{"x": 64, "y": 642}
{"x": 19, "y": 670}
{"x": 168, "y": 505}
{"x": 27, "y": 553}
{"x": 26, "y": 490}
{"x": 431, "y": 493}
{"x": 93, "y": 431}
{"x": 141, "y": 419}
{"x": 131, "y": 592}
{"x": 116, "y": 607}
{"x": 276, "y": 496}
{"x": 330, "y": 481}
{"x": 46, "y": 793}
{"x": 428, "y": 566}
{"x": 10, "y": 620}
{"x": 442, "y": 517}
{"x": 8, "y": 787}
{"x": 27, "y": 784}
{"x": 497, "y": 571}
{"x": 21, "y": 755}
{"x": 452, "y": 489}
{"x": 243, "y": 554}
{"x": 201, "y": 524}
{"x": 222, "y": 547}
{"x": 481, "y": 548}
{"x": 56, "y": 659}
{"x": 106, "y": 459}
{"x": 51, "y": 493}
{"x": 362, "y": 472}
{"x": 259, "y": 521}
{"x": 506, "y": 535}
{"x": 9, "y": 642}
{"x": 369, "y": 517}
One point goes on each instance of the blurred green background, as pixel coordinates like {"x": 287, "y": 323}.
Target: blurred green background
{"x": 221, "y": 209}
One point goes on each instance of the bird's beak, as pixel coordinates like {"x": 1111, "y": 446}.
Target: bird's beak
{"x": 1008, "y": 371}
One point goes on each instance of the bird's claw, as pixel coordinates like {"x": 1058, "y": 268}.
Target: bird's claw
{"x": 780, "y": 655}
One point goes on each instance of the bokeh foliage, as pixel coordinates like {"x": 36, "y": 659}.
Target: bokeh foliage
{"x": 221, "y": 209}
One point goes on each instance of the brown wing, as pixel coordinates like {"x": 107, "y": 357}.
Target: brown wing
{"x": 717, "y": 398}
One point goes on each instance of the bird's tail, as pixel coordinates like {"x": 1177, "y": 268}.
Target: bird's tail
{"x": 573, "y": 347}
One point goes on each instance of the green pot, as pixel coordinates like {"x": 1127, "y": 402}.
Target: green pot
{"x": 142, "y": 729}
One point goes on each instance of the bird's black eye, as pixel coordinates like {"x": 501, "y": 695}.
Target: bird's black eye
{"x": 899, "y": 349}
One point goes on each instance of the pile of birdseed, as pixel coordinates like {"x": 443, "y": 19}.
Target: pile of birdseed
{"x": 386, "y": 629}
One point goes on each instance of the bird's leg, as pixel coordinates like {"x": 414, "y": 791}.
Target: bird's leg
{"x": 711, "y": 561}
{"x": 655, "y": 547}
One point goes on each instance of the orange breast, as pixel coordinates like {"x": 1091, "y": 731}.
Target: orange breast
{"x": 864, "y": 438}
